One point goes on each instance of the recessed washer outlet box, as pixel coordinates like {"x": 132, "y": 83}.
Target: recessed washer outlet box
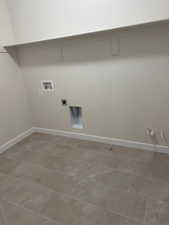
{"x": 76, "y": 117}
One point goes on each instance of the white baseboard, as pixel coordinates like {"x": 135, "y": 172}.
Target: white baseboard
{"x": 15, "y": 140}
{"x": 113, "y": 141}
{"x": 107, "y": 140}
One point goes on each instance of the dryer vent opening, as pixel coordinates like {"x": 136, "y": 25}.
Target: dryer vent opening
{"x": 76, "y": 117}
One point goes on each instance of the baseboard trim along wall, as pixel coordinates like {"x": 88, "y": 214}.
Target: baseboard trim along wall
{"x": 106, "y": 140}
{"x": 16, "y": 140}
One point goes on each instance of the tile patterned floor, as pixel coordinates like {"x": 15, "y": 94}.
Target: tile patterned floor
{"x": 51, "y": 180}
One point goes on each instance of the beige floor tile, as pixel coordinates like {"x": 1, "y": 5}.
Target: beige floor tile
{"x": 68, "y": 211}
{"x": 152, "y": 188}
{"x": 102, "y": 184}
{"x": 15, "y": 215}
{"x": 138, "y": 167}
{"x": 157, "y": 213}
{"x": 112, "y": 196}
{"x": 81, "y": 163}
{"x": 77, "y": 182}
{"x": 2, "y": 177}
{"x": 135, "y": 154}
{"x": 7, "y": 165}
{"x": 49, "y": 223}
{"x": 20, "y": 191}
{"x": 94, "y": 146}
{"x": 56, "y": 181}
{"x": 75, "y": 162}
{"x": 2, "y": 219}
{"x": 159, "y": 167}
{"x": 124, "y": 202}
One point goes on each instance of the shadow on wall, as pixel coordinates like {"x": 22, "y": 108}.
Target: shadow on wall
{"x": 13, "y": 52}
{"x": 128, "y": 43}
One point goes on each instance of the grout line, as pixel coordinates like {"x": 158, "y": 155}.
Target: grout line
{"x": 80, "y": 200}
{"x": 93, "y": 175}
{"x": 31, "y": 211}
{"x": 3, "y": 215}
{"x": 45, "y": 186}
{"x": 109, "y": 170}
{"x": 64, "y": 195}
{"x": 47, "y": 169}
{"x": 70, "y": 197}
{"x": 76, "y": 199}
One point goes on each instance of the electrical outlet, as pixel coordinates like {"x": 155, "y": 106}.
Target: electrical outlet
{"x": 64, "y": 102}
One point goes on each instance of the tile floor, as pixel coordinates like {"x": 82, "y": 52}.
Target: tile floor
{"x": 51, "y": 180}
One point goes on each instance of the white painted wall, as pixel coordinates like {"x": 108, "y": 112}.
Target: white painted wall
{"x": 6, "y": 32}
{"x": 14, "y": 110}
{"x": 121, "y": 95}
{"x": 45, "y": 19}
